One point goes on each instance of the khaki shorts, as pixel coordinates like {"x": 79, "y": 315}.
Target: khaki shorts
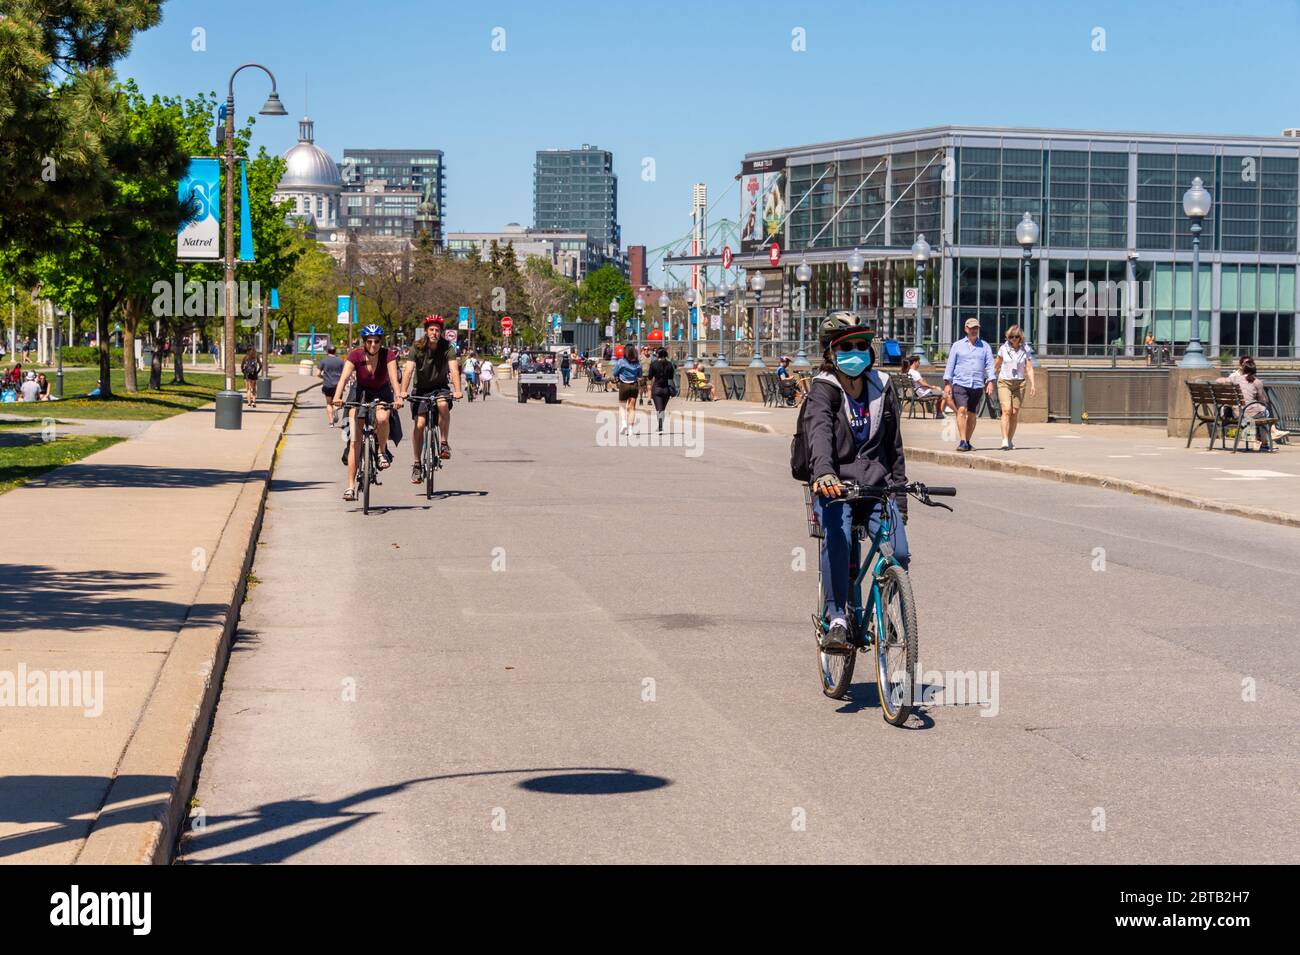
{"x": 1011, "y": 392}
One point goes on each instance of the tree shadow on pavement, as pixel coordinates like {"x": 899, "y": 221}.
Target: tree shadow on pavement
{"x": 44, "y": 598}
{"x": 269, "y": 817}
{"x": 52, "y": 802}
{"x": 140, "y": 476}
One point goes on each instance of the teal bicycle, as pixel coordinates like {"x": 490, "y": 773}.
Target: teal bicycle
{"x": 883, "y": 622}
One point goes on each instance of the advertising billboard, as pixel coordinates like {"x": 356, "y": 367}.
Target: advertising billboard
{"x": 762, "y": 202}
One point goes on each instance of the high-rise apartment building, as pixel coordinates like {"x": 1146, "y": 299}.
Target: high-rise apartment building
{"x": 575, "y": 190}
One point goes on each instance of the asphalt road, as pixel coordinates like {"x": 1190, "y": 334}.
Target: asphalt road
{"x": 593, "y": 653}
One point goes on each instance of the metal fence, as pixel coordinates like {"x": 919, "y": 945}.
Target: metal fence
{"x": 1284, "y": 396}
{"x": 1098, "y": 395}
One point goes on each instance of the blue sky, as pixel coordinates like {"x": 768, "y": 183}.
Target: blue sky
{"x": 695, "y": 85}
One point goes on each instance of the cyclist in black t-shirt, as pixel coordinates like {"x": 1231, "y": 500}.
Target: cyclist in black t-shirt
{"x": 431, "y": 369}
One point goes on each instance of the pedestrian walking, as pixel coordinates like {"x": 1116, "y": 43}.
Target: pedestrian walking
{"x": 1012, "y": 367}
{"x": 663, "y": 384}
{"x": 968, "y": 379}
{"x": 331, "y": 368}
{"x": 627, "y": 372}
{"x": 486, "y": 372}
{"x": 565, "y": 368}
{"x": 252, "y": 369}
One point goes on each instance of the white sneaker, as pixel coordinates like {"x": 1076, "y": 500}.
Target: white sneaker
{"x": 1006, "y": 445}
{"x": 1279, "y": 433}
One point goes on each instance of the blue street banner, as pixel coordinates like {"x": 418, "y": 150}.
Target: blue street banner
{"x": 245, "y": 217}
{"x": 198, "y": 238}
{"x": 345, "y": 310}
{"x": 463, "y": 322}
{"x": 275, "y": 298}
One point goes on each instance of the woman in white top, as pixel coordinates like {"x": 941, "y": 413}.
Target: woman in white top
{"x": 1012, "y": 368}
{"x": 485, "y": 374}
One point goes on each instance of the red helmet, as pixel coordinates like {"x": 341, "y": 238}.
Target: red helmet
{"x": 433, "y": 320}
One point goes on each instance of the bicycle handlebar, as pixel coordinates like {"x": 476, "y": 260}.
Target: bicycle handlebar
{"x": 852, "y": 490}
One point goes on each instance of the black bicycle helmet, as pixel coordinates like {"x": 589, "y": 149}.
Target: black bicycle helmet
{"x": 839, "y": 324}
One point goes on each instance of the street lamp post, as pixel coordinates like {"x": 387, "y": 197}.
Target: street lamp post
{"x": 229, "y": 412}
{"x": 613, "y": 320}
{"x": 856, "y": 265}
{"x": 724, "y": 296}
{"x": 640, "y": 311}
{"x": 802, "y": 275}
{"x": 1027, "y": 236}
{"x": 1197, "y": 203}
{"x": 920, "y": 255}
{"x": 691, "y": 298}
{"x": 663, "y": 315}
{"x": 758, "y": 283}
{"x": 58, "y": 349}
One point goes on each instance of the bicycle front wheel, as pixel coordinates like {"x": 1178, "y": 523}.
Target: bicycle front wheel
{"x": 896, "y": 645}
{"x": 367, "y": 471}
{"x": 431, "y": 452}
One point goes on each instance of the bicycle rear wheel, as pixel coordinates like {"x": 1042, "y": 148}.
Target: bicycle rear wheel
{"x": 896, "y": 645}
{"x": 834, "y": 668}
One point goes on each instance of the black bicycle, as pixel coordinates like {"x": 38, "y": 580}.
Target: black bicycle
{"x": 368, "y": 466}
{"x": 431, "y": 448}
{"x": 885, "y": 617}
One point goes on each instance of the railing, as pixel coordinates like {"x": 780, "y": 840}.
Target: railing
{"x": 1284, "y": 396}
{"x": 1130, "y": 395}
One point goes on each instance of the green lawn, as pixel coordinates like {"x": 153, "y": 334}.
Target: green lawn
{"x": 20, "y": 464}
{"x": 144, "y": 405}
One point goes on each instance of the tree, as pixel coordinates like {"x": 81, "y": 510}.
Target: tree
{"x": 113, "y": 252}
{"x": 309, "y": 293}
{"x": 598, "y": 289}
{"x": 57, "y": 107}
{"x": 545, "y": 291}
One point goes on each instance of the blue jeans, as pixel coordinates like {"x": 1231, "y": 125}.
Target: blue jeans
{"x": 836, "y": 519}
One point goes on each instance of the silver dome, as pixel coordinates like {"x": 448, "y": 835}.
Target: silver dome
{"x": 309, "y": 167}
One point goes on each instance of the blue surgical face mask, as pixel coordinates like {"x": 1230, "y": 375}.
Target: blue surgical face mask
{"x": 853, "y": 363}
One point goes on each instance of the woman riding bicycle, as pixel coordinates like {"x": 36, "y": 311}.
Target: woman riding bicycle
{"x": 851, "y": 430}
{"x": 376, "y": 369}
{"x": 436, "y": 373}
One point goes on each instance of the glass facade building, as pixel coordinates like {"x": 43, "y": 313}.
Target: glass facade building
{"x": 575, "y": 190}
{"x": 1113, "y": 260}
{"x": 385, "y": 191}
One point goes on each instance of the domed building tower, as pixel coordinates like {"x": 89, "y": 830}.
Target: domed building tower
{"x": 311, "y": 180}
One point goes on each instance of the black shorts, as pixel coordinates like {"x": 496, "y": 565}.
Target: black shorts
{"x": 328, "y": 390}
{"x": 420, "y": 409}
{"x": 968, "y": 398}
{"x": 627, "y": 390}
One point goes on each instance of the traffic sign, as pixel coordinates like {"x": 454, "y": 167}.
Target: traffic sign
{"x": 909, "y": 298}
{"x": 507, "y": 323}
{"x": 726, "y": 256}
{"x": 450, "y": 334}
{"x": 774, "y": 255}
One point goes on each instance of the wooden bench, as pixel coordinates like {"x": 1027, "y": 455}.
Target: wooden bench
{"x": 733, "y": 387}
{"x": 768, "y": 388}
{"x": 693, "y": 391}
{"x": 1219, "y": 406}
{"x": 905, "y": 387}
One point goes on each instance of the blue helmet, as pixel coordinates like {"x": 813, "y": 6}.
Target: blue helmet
{"x": 372, "y": 331}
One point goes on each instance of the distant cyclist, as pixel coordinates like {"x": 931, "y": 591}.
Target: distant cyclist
{"x": 850, "y": 421}
{"x": 470, "y": 367}
{"x": 376, "y": 370}
{"x": 431, "y": 371}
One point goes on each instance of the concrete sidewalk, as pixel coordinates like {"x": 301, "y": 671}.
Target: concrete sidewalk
{"x": 121, "y": 607}
{"x": 1137, "y": 460}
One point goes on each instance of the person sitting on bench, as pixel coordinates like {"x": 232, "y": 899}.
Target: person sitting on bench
{"x": 701, "y": 383}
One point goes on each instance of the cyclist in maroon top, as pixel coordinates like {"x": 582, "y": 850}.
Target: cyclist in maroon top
{"x": 376, "y": 370}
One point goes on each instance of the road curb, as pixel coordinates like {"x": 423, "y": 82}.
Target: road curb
{"x": 145, "y": 806}
{"x": 976, "y": 462}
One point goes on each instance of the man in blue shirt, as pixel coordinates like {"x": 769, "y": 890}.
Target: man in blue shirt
{"x": 967, "y": 378}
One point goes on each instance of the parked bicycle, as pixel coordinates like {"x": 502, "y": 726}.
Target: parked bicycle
{"x": 368, "y": 466}
{"x": 431, "y": 449}
{"x": 884, "y": 619}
